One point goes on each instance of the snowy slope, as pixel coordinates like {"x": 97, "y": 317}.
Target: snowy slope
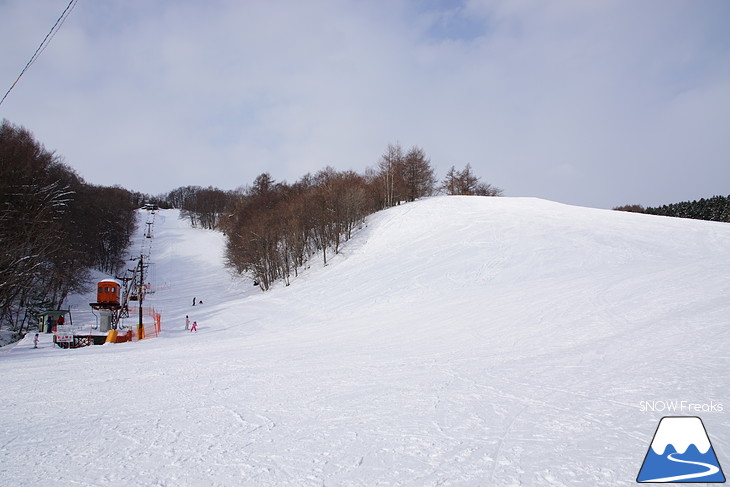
{"x": 455, "y": 341}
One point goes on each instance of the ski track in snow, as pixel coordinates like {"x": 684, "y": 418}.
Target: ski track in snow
{"x": 454, "y": 341}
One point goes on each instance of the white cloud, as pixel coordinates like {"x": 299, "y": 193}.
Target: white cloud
{"x": 175, "y": 93}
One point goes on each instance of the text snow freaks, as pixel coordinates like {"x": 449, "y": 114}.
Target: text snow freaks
{"x": 682, "y": 407}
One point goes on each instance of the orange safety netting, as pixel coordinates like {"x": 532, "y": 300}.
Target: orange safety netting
{"x": 152, "y": 325}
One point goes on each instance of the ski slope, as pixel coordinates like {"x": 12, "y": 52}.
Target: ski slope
{"x": 454, "y": 341}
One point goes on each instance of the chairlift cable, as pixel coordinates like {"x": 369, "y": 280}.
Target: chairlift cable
{"x": 42, "y": 47}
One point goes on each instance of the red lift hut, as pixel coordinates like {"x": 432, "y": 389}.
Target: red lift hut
{"x": 109, "y": 292}
{"x": 108, "y": 303}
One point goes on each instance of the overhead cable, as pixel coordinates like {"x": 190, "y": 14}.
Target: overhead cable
{"x": 51, "y": 34}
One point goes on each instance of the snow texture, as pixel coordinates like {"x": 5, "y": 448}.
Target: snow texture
{"x": 454, "y": 341}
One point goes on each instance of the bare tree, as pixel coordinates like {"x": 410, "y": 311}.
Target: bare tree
{"x": 467, "y": 183}
{"x": 390, "y": 174}
{"x": 418, "y": 176}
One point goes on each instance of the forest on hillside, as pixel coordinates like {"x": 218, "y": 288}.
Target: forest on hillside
{"x": 715, "y": 209}
{"x": 55, "y": 227}
{"x": 274, "y": 228}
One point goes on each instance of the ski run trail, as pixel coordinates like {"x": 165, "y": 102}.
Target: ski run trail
{"x": 454, "y": 341}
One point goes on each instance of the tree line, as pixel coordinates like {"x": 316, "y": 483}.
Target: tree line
{"x": 273, "y": 228}
{"x": 54, "y": 228}
{"x": 716, "y": 209}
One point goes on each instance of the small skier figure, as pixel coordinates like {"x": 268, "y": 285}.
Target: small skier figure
{"x": 193, "y": 300}
{"x": 187, "y": 322}
{"x": 35, "y": 341}
{"x": 194, "y": 327}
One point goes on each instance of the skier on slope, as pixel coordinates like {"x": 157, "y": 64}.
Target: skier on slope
{"x": 194, "y": 327}
{"x": 187, "y": 322}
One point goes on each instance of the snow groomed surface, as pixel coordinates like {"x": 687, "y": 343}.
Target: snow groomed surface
{"x": 455, "y": 341}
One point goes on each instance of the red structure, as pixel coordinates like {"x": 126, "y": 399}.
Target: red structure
{"x": 108, "y": 294}
{"x": 109, "y": 304}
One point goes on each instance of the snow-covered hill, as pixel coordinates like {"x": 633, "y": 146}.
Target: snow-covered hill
{"x": 455, "y": 341}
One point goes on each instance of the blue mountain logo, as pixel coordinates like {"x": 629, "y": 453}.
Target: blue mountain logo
{"x": 681, "y": 452}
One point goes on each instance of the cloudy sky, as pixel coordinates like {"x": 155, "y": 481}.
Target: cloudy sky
{"x": 596, "y": 103}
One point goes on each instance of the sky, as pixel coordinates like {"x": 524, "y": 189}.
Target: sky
{"x": 599, "y": 103}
